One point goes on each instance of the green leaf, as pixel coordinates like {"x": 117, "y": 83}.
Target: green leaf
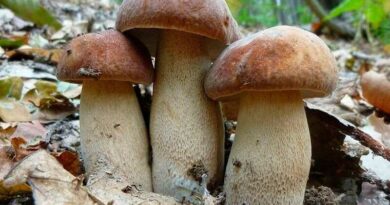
{"x": 235, "y": 6}
{"x": 45, "y": 88}
{"x": 8, "y": 43}
{"x": 375, "y": 14}
{"x": 345, "y": 6}
{"x": 11, "y": 88}
{"x": 31, "y": 10}
{"x": 117, "y": 1}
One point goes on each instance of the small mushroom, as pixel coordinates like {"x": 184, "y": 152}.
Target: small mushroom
{"x": 376, "y": 90}
{"x": 270, "y": 72}
{"x": 113, "y": 134}
{"x": 185, "y": 126}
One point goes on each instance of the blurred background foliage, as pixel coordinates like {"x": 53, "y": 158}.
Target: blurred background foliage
{"x": 369, "y": 18}
{"x": 32, "y": 10}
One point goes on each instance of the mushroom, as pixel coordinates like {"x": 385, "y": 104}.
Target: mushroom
{"x": 114, "y": 139}
{"x": 376, "y": 89}
{"x": 270, "y": 72}
{"x": 185, "y": 126}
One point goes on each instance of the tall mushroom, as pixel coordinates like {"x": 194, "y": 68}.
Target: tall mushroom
{"x": 270, "y": 72}
{"x": 113, "y": 135}
{"x": 185, "y": 126}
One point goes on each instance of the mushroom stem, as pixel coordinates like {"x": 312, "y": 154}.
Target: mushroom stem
{"x": 113, "y": 134}
{"x": 185, "y": 126}
{"x": 271, "y": 155}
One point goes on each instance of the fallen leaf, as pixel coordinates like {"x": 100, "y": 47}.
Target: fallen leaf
{"x": 39, "y": 54}
{"x": 14, "y": 111}
{"x": 71, "y": 162}
{"x": 9, "y": 43}
{"x": 54, "y": 185}
{"x": 6, "y": 125}
{"x": 11, "y": 192}
{"x": 6, "y": 133}
{"x": 19, "y": 147}
{"x": 45, "y": 88}
{"x": 6, "y": 164}
{"x": 55, "y": 107}
{"x": 6, "y": 160}
{"x": 73, "y": 93}
{"x": 30, "y": 130}
{"x": 24, "y": 71}
{"x": 32, "y": 96}
{"x": 11, "y": 87}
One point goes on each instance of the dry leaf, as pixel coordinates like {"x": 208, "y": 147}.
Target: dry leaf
{"x": 55, "y": 107}
{"x": 52, "y": 184}
{"x": 71, "y": 162}
{"x": 13, "y": 111}
{"x": 47, "y": 55}
{"x": 73, "y": 93}
{"x": 6, "y": 163}
{"x": 30, "y": 130}
{"x": 6, "y": 160}
{"x": 6, "y": 133}
{"x": 11, "y": 192}
{"x": 11, "y": 88}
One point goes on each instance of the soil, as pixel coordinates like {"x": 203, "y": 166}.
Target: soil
{"x": 320, "y": 196}
{"x": 197, "y": 171}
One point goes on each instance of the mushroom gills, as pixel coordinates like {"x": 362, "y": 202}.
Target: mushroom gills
{"x": 113, "y": 135}
{"x": 271, "y": 155}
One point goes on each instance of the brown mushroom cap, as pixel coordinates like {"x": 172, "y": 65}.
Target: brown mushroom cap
{"x": 108, "y": 55}
{"x": 279, "y": 58}
{"x": 209, "y": 18}
{"x": 376, "y": 89}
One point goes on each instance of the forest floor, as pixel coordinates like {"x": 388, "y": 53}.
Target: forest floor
{"x": 39, "y": 112}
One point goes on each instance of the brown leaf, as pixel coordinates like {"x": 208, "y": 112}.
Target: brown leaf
{"x": 6, "y": 160}
{"x": 48, "y": 55}
{"x": 54, "y": 184}
{"x": 19, "y": 147}
{"x": 71, "y": 162}
{"x": 23, "y": 147}
{"x": 56, "y": 107}
{"x": 6, "y": 133}
{"x": 6, "y": 164}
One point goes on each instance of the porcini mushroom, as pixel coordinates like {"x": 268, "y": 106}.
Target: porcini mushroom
{"x": 270, "y": 72}
{"x": 376, "y": 90}
{"x": 113, "y": 135}
{"x": 185, "y": 126}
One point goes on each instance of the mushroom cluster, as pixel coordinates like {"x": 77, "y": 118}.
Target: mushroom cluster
{"x": 266, "y": 75}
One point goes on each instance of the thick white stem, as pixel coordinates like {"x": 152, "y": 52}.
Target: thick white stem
{"x": 270, "y": 159}
{"x": 185, "y": 126}
{"x": 113, "y": 135}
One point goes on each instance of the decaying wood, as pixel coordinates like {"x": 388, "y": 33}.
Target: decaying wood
{"x": 346, "y": 128}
